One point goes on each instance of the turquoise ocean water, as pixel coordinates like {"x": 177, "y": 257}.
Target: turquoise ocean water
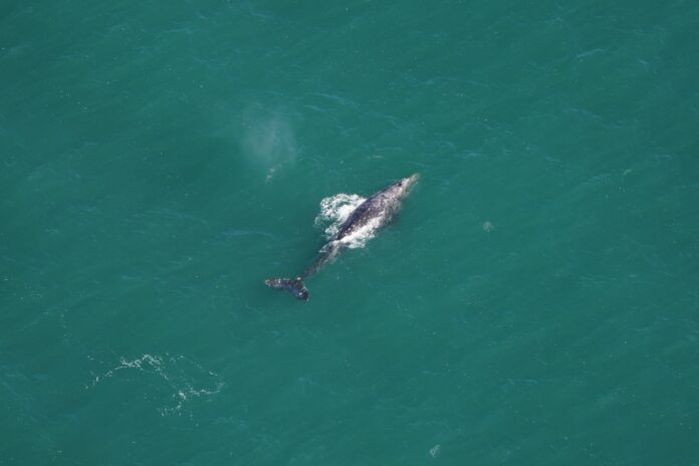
{"x": 536, "y": 302}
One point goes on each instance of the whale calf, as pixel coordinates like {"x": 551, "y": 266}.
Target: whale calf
{"x": 372, "y": 214}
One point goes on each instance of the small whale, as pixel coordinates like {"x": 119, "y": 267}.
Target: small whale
{"x": 372, "y": 214}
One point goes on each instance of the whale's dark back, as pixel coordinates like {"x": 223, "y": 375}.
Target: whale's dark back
{"x": 379, "y": 206}
{"x": 358, "y": 218}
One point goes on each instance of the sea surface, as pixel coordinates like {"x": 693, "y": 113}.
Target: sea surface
{"x": 536, "y": 301}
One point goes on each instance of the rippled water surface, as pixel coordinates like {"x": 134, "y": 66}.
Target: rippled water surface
{"x": 534, "y": 303}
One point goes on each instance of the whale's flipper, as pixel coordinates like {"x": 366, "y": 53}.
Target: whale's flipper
{"x": 293, "y": 285}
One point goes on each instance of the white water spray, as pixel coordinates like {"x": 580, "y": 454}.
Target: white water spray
{"x": 335, "y": 210}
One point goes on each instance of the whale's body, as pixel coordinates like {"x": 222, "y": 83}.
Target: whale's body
{"x": 372, "y": 214}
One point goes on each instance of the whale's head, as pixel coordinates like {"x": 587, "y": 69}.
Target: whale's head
{"x": 401, "y": 188}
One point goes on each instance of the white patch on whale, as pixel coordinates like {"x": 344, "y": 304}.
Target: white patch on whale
{"x": 335, "y": 210}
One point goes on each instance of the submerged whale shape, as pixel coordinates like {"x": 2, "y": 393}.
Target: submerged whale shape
{"x": 372, "y": 214}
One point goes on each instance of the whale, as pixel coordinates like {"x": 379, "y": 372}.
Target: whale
{"x": 368, "y": 217}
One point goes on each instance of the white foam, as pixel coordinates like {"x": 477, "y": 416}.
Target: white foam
{"x": 182, "y": 377}
{"x": 334, "y": 210}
